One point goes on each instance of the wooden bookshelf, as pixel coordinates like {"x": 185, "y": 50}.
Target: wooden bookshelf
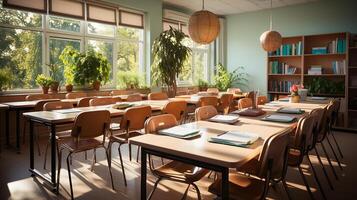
{"x": 352, "y": 84}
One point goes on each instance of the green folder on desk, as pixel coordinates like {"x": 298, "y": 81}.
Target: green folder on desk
{"x": 235, "y": 138}
{"x": 279, "y": 118}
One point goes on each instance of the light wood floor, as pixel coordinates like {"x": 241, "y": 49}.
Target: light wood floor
{"x": 16, "y": 183}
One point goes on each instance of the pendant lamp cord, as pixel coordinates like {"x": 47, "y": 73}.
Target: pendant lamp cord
{"x": 271, "y": 15}
{"x": 203, "y": 4}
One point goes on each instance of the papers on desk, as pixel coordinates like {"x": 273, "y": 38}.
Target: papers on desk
{"x": 318, "y": 98}
{"x": 279, "y": 118}
{"x": 235, "y": 138}
{"x": 229, "y": 119}
{"x": 67, "y": 111}
{"x": 286, "y": 99}
{"x": 122, "y": 106}
{"x": 180, "y": 132}
{"x": 290, "y": 110}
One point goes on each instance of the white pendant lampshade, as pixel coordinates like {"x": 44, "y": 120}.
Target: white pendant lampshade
{"x": 203, "y": 26}
{"x": 271, "y": 40}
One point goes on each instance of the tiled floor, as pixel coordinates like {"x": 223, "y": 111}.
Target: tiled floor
{"x": 15, "y": 182}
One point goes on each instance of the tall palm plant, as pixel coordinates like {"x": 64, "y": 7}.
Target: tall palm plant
{"x": 169, "y": 57}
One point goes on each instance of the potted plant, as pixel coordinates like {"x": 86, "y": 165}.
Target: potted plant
{"x": 224, "y": 79}
{"x": 69, "y": 57}
{"x": 128, "y": 80}
{"x": 55, "y": 75}
{"x": 6, "y": 78}
{"x": 294, "y": 96}
{"x": 45, "y": 82}
{"x": 169, "y": 56}
{"x": 202, "y": 85}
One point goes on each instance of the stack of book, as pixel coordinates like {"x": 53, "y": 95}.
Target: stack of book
{"x": 281, "y": 86}
{"x": 288, "y": 50}
{"x": 281, "y": 68}
{"x": 339, "y": 67}
{"x": 315, "y": 70}
{"x": 180, "y": 132}
{"x": 337, "y": 46}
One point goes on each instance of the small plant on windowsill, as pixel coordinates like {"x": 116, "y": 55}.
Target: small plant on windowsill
{"x": 69, "y": 58}
{"x": 224, "y": 79}
{"x": 6, "y": 78}
{"x": 55, "y": 75}
{"x": 202, "y": 85}
{"x": 45, "y": 82}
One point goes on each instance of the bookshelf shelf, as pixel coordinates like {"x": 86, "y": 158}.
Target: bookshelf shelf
{"x": 289, "y": 56}
{"x": 284, "y": 74}
{"x": 353, "y": 47}
{"x": 342, "y": 75}
{"x": 325, "y": 55}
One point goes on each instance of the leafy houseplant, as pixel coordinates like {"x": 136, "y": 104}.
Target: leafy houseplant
{"x": 169, "y": 57}
{"x": 55, "y": 76}
{"x": 321, "y": 85}
{"x": 224, "y": 79}
{"x": 6, "y": 78}
{"x": 202, "y": 85}
{"x": 45, "y": 82}
{"x": 69, "y": 57}
{"x": 128, "y": 80}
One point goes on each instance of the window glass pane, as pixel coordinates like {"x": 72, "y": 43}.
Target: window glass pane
{"x": 20, "y": 18}
{"x": 186, "y": 75}
{"x": 64, "y": 24}
{"x": 129, "y": 56}
{"x": 21, "y": 51}
{"x": 200, "y": 65}
{"x": 100, "y": 29}
{"x": 56, "y": 46}
{"x": 105, "y": 48}
{"x": 130, "y": 33}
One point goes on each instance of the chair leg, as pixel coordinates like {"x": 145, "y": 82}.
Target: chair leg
{"x": 329, "y": 160}
{"x": 324, "y": 170}
{"x": 122, "y": 165}
{"x": 109, "y": 149}
{"x": 129, "y": 152}
{"x": 305, "y": 182}
{"x": 93, "y": 160}
{"x": 59, "y": 169}
{"x": 338, "y": 146}
{"x": 316, "y": 178}
{"x": 69, "y": 175}
{"x": 210, "y": 173}
{"x": 334, "y": 153}
{"x": 153, "y": 190}
{"x": 24, "y": 132}
{"x": 85, "y": 155}
{"x": 286, "y": 189}
{"x": 45, "y": 156}
{"x": 38, "y": 142}
{"x": 109, "y": 168}
{"x": 137, "y": 154}
{"x": 198, "y": 191}
{"x": 162, "y": 161}
{"x": 185, "y": 193}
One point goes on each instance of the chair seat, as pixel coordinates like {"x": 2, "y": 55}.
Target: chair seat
{"x": 180, "y": 171}
{"x": 123, "y": 137}
{"x": 82, "y": 145}
{"x": 294, "y": 157}
{"x": 240, "y": 187}
{"x": 63, "y": 134}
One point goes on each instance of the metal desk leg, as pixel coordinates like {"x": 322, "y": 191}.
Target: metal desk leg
{"x": 7, "y": 125}
{"x": 143, "y": 173}
{"x": 32, "y": 157}
{"x": 225, "y": 184}
{"x": 18, "y": 131}
{"x": 53, "y": 157}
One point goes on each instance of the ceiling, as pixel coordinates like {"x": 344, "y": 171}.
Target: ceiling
{"x": 227, "y": 7}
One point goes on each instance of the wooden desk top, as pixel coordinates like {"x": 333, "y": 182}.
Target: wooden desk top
{"x": 202, "y": 150}
{"x": 4, "y": 107}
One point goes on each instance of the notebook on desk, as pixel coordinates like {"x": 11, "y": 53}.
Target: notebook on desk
{"x": 279, "y": 118}
{"x": 180, "y": 132}
{"x": 235, "y": 138}
{"x": 67, "y": 111}
{"x": 229, "y": 119}
{"x": 290, "y": 110}
{"x": 250, "y": 112}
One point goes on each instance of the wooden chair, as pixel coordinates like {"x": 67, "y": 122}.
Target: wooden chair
{"x": 174, "y": 170}
{"x": 134, "y": 97}
{"x": 57, "y": 105}
{"x": 176, "y": 108}
{"x": 120, "y": 92}
{"x": 75, "y": 95}
{"x": 158, "y": 96}
{"x": 213, "y": 90}
{"x": 234, "y": 91}
{"x": 272, "y": 167}
{"x": 334, "y": 118}
{"x": 101, "y": 101}
{"x": 87, "y": 133}
{"x": 224, "y": 103}
{"x": 205, "y": 112}
{"x": 245, "y": 103}
{"x": 208, "y": 101}
{"x": 261, "y": 100}
{"x": 33, "y": 97}
{"x": 131, "y": 124}
{"x": 84, "y": 102}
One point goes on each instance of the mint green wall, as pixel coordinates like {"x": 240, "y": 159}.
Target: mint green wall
{"x": 244, "y": 30}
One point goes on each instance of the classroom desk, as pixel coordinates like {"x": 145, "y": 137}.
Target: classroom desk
{"x": 54, "y": 118}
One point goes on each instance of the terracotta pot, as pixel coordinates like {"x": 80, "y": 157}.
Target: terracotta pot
{"x": 69, "y": 88}
{"x": 45, "y": 89}
{"x": 294, "y": 99}
{"x": 96, "y": 85}
{"x": 203, "y": 89}
{"x": 54, "y": 87}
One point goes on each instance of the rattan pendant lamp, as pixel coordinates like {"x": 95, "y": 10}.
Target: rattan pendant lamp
{"x": 203, "y": 26}
{"x": 271, "y": 40}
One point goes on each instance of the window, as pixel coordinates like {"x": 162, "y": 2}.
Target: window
{"x": 105, "y": 48}
{"x": 64, "y": 24}
{"x": 100, "y": 29}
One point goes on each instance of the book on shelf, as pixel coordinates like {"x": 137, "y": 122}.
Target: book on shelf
{"x": 337, "y": 46}
{"x": 339, "y": 67}
{"x": 281, "y": 68}
{"x": 294, "y": 49}
{"x": 319, "y": 50}
{"x": 281, "y": 85}
{"x": 315, "y": 70}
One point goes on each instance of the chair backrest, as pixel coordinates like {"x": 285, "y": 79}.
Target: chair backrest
{"x": 39, "y": 105}
{"x": 304, "y": 138}
{"x": 33, "y": 97}
{"x": 56, "y": 105}
{"x": 135, "y": 117}
{"x": 319, "y": 125}
{"x": 213, "y": 90}
{"x": 335, "y": 110}
{"x": 225, "y": 102}
{"x": 176, "y": 108}
{"x": 101, "y": 101}
{"x": 159, "y": 122}
{"x": 261, "y": 100}
{"x": 234, "y": 90}
{"x": 91, "y": 124}
{"x": 75, "y": 95}
{"x": 250, "y": 95}
{"x": 134, "y": 97}
{"x": 84, "y": 102}
{"x": 205, "y": 112}
{"x": 208, "y": 101}
{"x": 120, "y": 92}
{"x": 273, "y": 157}
{"x": 245, "y": 103}
{"x": 157, "y": 96}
